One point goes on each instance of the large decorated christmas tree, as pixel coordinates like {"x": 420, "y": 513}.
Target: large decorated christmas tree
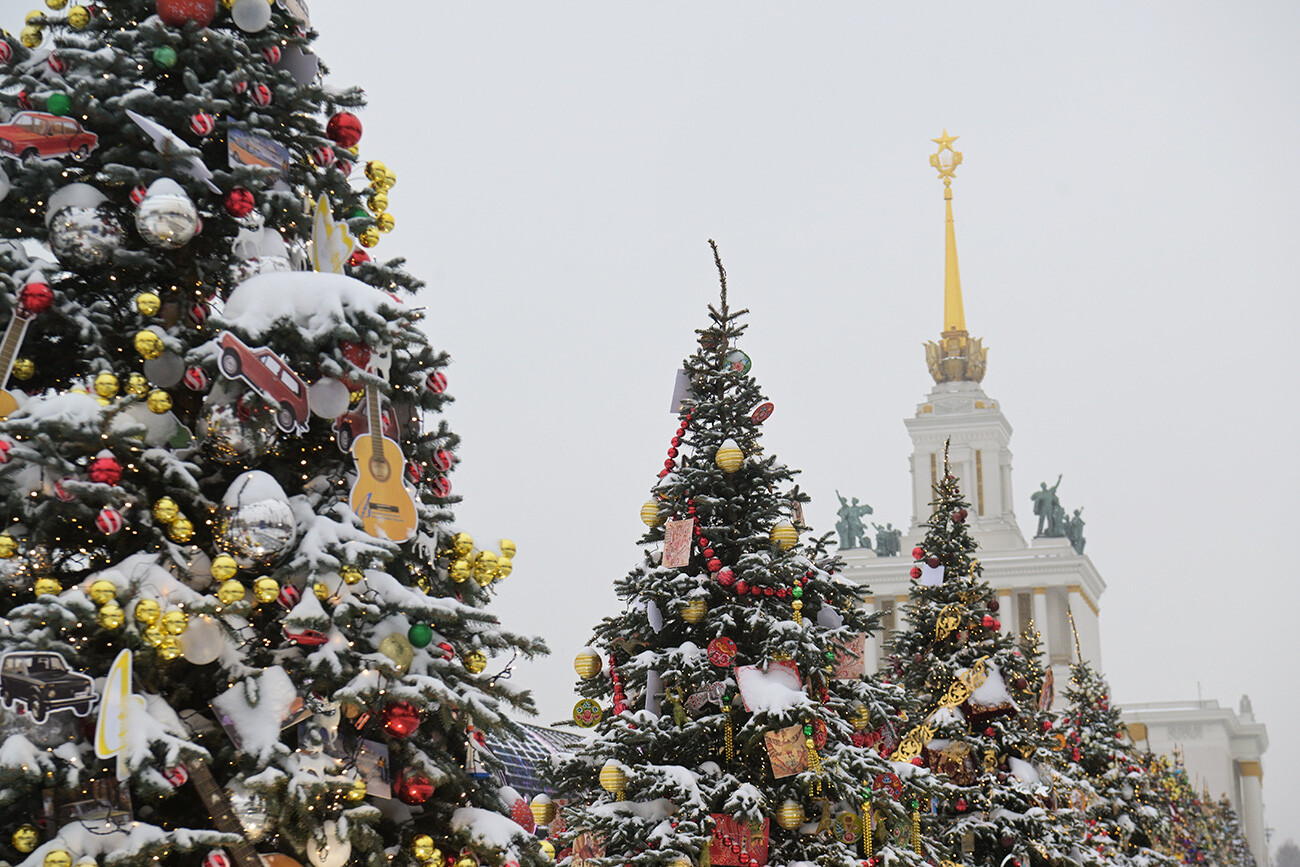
{"x": 985, "y": 722}
{"x": 234, "y": 612}
{"x": 733, "y": 725}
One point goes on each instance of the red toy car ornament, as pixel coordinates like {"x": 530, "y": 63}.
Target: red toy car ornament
{"x": 270, "y": 376}
{"x": 38, "y": 134}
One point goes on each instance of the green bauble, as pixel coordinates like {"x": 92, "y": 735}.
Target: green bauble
{"x": 58, "y": 103}
{"x": 164, "y": 57}
{"x": 420, "y": 635}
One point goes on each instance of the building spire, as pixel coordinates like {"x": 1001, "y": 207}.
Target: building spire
{"x": 957, "y": 357}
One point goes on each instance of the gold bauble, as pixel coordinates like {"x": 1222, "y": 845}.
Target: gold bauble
{"x": 613, "y": 778}
{"x": 397, "y": 647}
{"x": 58, "y": 858}
{"x": 224, "y": 567}
{"x": 103, "y": 591}
{"x": 543, "y": 809}
{"x": 861, "y": 717}
{"x": 423, "y": 584}
{"x": 485, "y": 568}
{"x": 137, "y": 384}
{"x": 148, "y": 303}
{"x": 175, "y": 621}
{"x": 56, "y": 5}
{"x": 466, "y": 860}
{"x": 508, "y": 548}
{"x": 437, "y": 859}
{"x": 548, "y": 848}
{"x": 33, "y": 16}
{"x": 148, "y": 343}
{"x": 504, "y": 567}
{"x": 379, "y": 202}
{"x": 47, "y": 585}
{"x": 422, "y": 847}
{"x": 374, "y": 171}
{"x": 694, "y": 611}
{"x": 783, "y": 535}
{"x": 474, "y": 661}
{"x": 166, "y": 510}
{"x": 462, "y": 543}
{"x": 650, "y": 513}
{"x": 169, "y": 648}
{"x": 790, "y": 815}
{"x": 26, "y": 838}
{"x": 351, "y": 574}
{"x": 154, "y": 636}
{"x": 158, "y": 401}
{"x": 587, "y": 663}
{"x": 459, "y": 570}
{"x": 24, "y": 368}
{"x": 31, "y": 36}
{"x": 111, "y": 616}
{"x": 385, "y": 222}
{"x": 390, "y": 179}
{"x": 181, "y": 529}
{"x": 356, "y": 791}
{"x": 266, "y": 589}
{"x": 321, "y": 589}
{"x": 147, "y": 611}
{"x": 729, "y": 457}
{"x": 8, "y": 546}
{"x": 78, "y": 17}
{"x": 107, "y": 384}
{"x": 230, "y": 591}
{"x": 369, "y": 236}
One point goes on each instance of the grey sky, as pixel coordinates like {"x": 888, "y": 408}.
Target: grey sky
{"x": 1126, "y": 223}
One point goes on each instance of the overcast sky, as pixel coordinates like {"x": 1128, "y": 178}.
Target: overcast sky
{"x": 1126, "y": 219}
{"x": 1127, "y": 226}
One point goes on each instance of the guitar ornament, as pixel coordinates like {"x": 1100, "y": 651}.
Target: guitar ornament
{"x": 8, "y": 355}
{"x": 380, "y": 498}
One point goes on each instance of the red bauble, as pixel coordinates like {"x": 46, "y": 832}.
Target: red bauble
{"x": 715, "y": 564}
{"x": 918, "y": 553}
{"x": 239, "y": 202}
{"x": 933, "y": 562}
{"x": 726, "y": 577}
{"x": 105, "y": 470}
{"x": 36, "y": 298}
{"x": 997, "y": 624}
{"x": 202, "y": 124}
{"x": 987, "y": 621}
{"x": 412, "y": 787}
{"x": 262, "y": 95}
{"x": 918, "y": 761}
{"x": 436, "y": 382}
{"x": 741, "y": 587}
{"x": 344, "y": 129}
{"x": 1021, "y": 683}
{"x": 960, "y": 805}
{"x": 358, "y": 256}
{"x": 672, "y": 453}
{"x": 990, "y": 732}
{"x": 442, "y": 488}
{"x": 442, "y": 460}
{"x": 400, "y": 719}
{"x": 915, "y": 573}
{"x": 994, "y": 605}
{"x": 323, "y": 156}
{"x": 178, "y": 13}
{"x": 1047, "y": 725}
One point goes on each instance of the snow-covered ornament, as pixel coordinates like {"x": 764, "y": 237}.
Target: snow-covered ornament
{"x": 261, "y": 94}
{"x": 62, "y": 493}
{"x": 251, "y": 16}
{"x": 178, "y": 776}
{"x": 109, "y": 521}
{"x": 729, "y": 457}
{"x": 249, "y": 808}
{"x": 36, "y": 297}
{"x": 197, "y": 379}
{"x": 202, "y": 124}
{"x": 333, "y": 851}
{"x": 178, "y": 13}
{"x": 167, "y": 217}
{"x": 105, "y": 469}
{"x": 201, "y": 643}
{"x": 257, "y": 523}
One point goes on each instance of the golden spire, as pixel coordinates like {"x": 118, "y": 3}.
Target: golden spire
{"x": 958, "y": 356}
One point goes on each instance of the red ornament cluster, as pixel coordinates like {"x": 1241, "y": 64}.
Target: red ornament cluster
{"x": 671, "y": 463}
{"x": 620, "y": 697}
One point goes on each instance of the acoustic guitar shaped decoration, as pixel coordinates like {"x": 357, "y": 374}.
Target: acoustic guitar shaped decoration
{"x": 380, "y": 497}
{"x": 9, "y": 354}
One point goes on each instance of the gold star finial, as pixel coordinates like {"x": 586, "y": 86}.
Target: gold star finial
{"x": 945, "y": 159}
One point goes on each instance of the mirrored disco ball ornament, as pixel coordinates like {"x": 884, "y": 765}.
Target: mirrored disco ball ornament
{"x": 85, "y": 237}
{"x": 167, "y": 216}
{"x": 259, "y": 532}
{"x": 228, "y": 439}
{"x": 250, "y": 809}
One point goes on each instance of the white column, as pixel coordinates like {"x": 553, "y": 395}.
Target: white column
{"x": 1252, "y": 810}
{"x": 1040, "y": 615}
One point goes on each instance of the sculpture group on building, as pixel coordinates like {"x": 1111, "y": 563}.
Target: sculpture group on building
{"x": 1053, "y": 522}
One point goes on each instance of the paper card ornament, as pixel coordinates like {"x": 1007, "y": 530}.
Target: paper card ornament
{"x": 587, "y": 713}
{"x": 850, "y": 659}
{"x": 270, "y": 376}
{"x": 775, "y": 689}
{"x": 1047, "y": 695}
{"x": 762, "y": 412}
{"x": 711, "y": 694}
{"x": 42, "y": 683}
{"x": 47, "y": 135}
{"x": 681, "y": 392}
{"x": 331, "y": 245}
{"x": 846, "y": 828}
{"x": 722, "y": 652}
{"x": 737, "y": 843}
{"x": 653, "y": 615}
{"x": 117, "y": 708}
{"x": 587, "y": 849}
{"x": 931, "y": 576}
{"x": 677, "y": 542}
{"x": 786, "y": 751}
{"x": 175, "y": 151}
{"x": 247, "y": 149}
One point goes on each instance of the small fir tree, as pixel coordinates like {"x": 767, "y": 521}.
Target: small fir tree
{"x": 737, "y": 726}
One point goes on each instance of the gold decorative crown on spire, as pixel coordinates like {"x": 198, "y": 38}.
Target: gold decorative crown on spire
{"x": 957, "y": 356}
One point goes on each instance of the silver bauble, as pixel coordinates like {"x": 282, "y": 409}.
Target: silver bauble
{"x": 258, "y": 533}
{"x": 228, "y": 439}
{"x": 167, "y": 216}
{"x": 85, "y": 237}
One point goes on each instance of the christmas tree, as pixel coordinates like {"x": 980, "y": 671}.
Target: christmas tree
{"x": 733, "y": 723}
{"x": 235, "y": 611}
{"x": 985, "y": 723}
{"x": 1234, "y": 848}
{"x": 1114, "y": 787}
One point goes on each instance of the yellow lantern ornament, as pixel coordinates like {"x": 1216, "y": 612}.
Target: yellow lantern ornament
{"x": 694, "y": 611}
{"x": 8, "y": 546}
{"x": 47, "y": 586}
{"x": 729, "y": 456}
{"x": 158, "y": 401}
{"x": 147, "y": 611}
{"x": 790, "y": 815}
{"x": 587, "y": 663}
{"x": 148, "y": 344}
{"x": 111, "y": 616}
{"x": 543, "y": 809}
{"x": 474, "y": 661}
{"x": 613, "y": 779}
{"x": 24, "y": 368}
{"x": 265, "y": 589}
{"x": 784, "y": 535}
{"x": 148, "y": 303}
{"x": 181, "y": 529}
{"x": 103, "y": 591}
{"x": 107, "y": 384}
{"x": 230, "y": 592}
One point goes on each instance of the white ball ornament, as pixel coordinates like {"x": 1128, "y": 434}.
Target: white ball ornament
{"x": 334, "y": 851}
{"x": 327, "y": 397}
{"x": 201, "y": 643}
{"x": 251, "y": 16}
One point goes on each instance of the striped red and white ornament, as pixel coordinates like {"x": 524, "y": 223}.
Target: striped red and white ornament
{"x": 442, "y": 460}
{"x": 323, "y": 156}
{"x": 138, "y": 193}
{"x": 202, "y": 123}
{"x": 240, "y": 87}
{"x": 198, "y": 314}
{"x": 272, "y": 54}
{"x": 197, "y": 379}
{"x": 436, "y": 382}
{"x": 56, "y": 63}
{"x": 261, "y": 95}
{"x": 178, "y": 776}
{"x": 413, "y": 472}
{"x": 217, "y": 858}
{"x": 6, "y": 51}
{"x": 109, "y": 521}
{"x": 289, "y": 596}
{"x": 442, "y": 487}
